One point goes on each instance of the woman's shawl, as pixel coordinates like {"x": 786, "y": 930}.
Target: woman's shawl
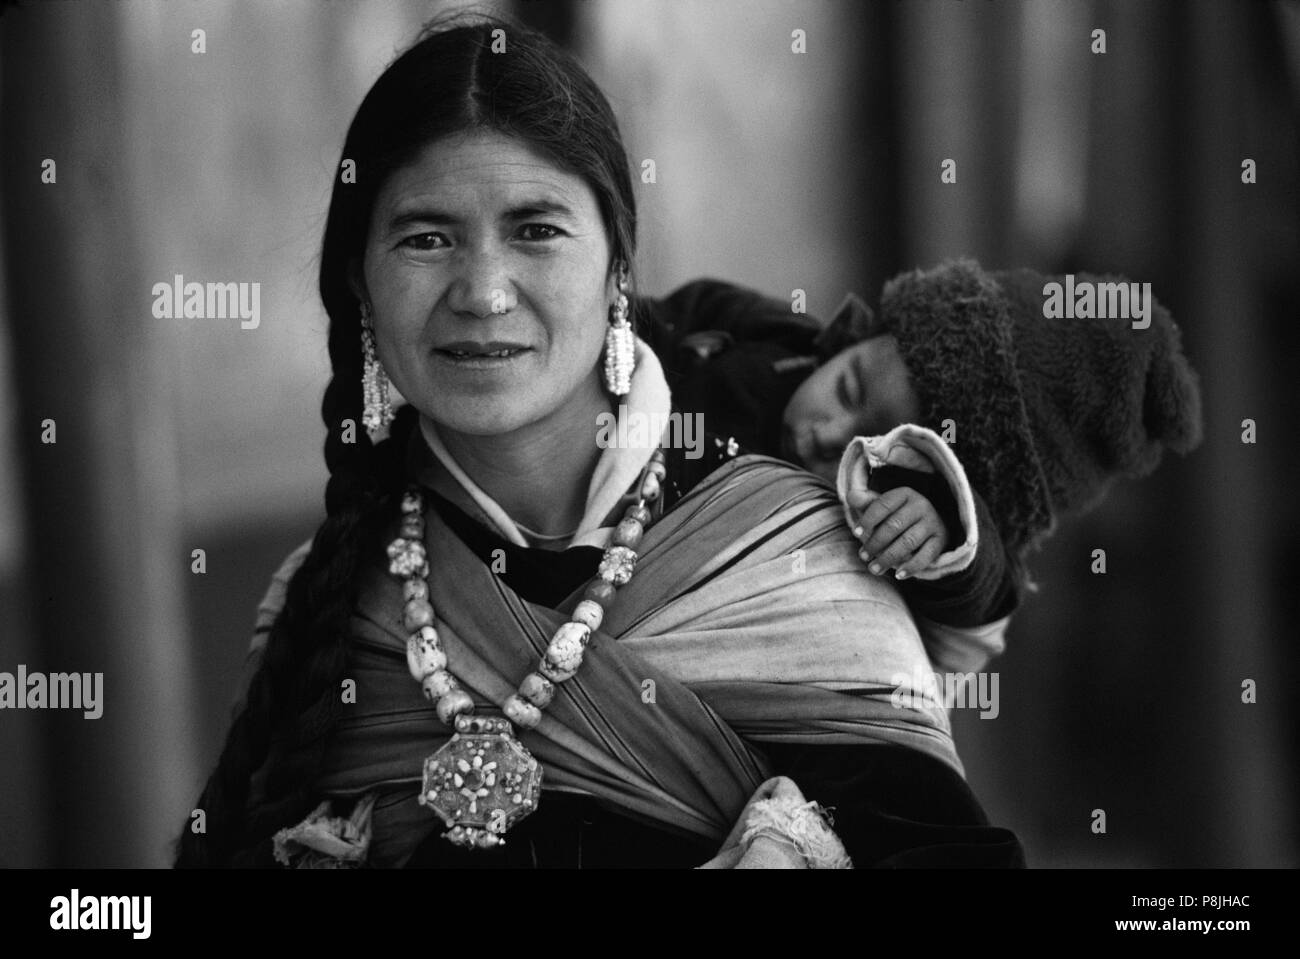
{"x": 749, "y": 617}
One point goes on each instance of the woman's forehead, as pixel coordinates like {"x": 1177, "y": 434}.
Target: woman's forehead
{"x": 484, "y": 166}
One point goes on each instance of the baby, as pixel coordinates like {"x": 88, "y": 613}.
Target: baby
{"x": 1041, "y": 413}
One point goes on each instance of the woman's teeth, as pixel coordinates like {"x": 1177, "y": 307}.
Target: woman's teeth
{"x": 463, "y": 354}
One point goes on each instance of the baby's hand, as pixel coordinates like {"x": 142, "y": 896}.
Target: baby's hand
{"x": 899, "y": 529}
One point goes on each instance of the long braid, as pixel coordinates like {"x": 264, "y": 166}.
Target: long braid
{"x": 293, "y": 700}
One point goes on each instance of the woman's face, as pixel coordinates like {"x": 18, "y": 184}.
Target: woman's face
{"x": 487, "y": 269}
{"x": 863, "y": 390}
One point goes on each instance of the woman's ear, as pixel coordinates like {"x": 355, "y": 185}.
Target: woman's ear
{"x": 617, "y": 274}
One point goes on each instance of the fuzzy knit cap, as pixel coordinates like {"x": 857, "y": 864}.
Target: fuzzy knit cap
{"x": 1048, "y": 411}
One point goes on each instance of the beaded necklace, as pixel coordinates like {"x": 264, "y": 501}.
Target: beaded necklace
{"x": 482, "y": 780}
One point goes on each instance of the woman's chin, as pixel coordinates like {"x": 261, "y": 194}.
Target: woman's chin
{"x": 479, "y": 418}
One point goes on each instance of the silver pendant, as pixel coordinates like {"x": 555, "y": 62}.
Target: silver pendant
{"x": 481, "y": 782}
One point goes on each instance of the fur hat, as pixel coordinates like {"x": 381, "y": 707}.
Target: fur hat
{"x": 1047, "y": 411}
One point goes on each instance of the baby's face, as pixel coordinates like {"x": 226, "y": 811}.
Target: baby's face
{"x": 862, "y": 391}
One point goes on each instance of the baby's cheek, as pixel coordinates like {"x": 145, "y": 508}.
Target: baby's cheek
{"x": 813, "y": 401}
{"x": 833, "y": 436}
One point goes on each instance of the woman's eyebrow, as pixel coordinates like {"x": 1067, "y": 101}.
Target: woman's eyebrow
{"x": 539, "y": 207}
{"x": 414, "y": 215}
{"x": 522, "y": 211}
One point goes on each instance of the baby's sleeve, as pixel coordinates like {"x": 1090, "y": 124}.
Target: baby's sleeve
{"x": 920, "y": 449}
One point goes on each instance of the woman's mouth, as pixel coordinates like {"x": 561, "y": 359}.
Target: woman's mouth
{"x": 468, "y": 354}
{"x": 480, "y": 355}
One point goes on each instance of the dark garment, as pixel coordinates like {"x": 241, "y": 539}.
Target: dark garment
{"x": 732, "y": 354}
{"x": 893, "y": 806}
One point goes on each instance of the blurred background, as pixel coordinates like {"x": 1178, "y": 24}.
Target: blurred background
{"x": 818, "y": 171}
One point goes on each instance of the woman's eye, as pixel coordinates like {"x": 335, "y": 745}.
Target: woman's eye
{"x": 424, "y": 241}
{"x": 539, "y": 231}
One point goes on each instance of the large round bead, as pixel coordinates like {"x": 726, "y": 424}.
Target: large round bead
{"x": 414, "y": 589}
{"x": 423, "y": 654}
{"x": 599, "y": 591}
{"x": 537, "y": 689}
{"x": 658, "y": 470}
{"x": 616, "y": 565}
{"x": 639, "y": 513}
{"x": 521, "y": 712}
{"x": 566, "y": 646}
{"x": 407, "y": 558}
{"x": 628, "y": 533}
{"x": 418, "y": 613}
{"x": 412, "y": 502}
{"x": 650, "y": 488}
{"x": 589, "y": 613}
{"x": 554, "y": 673}
{"x": 439, "y": 684}
{"x": 454, "y": 704}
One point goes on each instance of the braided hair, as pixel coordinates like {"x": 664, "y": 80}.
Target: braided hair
{"x": 449, "y": 81}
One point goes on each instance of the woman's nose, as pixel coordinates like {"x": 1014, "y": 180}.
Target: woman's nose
{"x": 481, "y": 286}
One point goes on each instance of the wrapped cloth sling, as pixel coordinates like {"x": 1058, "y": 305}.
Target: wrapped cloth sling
{"x": 749, "y": 618}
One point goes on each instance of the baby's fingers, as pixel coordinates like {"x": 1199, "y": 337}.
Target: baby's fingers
{"x": 886, "y": 518}
{"x": 924, "y": 558}
{"x": 906, "y": 547}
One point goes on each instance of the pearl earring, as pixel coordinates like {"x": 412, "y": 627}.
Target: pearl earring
{"x": 377, "y": 411}
{"x": 620, "y": 343}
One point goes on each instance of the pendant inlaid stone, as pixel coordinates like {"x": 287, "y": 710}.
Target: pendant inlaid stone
{"x": 481, "y": 782}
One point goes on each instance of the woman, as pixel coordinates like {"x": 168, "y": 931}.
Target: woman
{"x": 684, "y": 654}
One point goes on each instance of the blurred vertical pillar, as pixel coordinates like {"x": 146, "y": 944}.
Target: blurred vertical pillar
{"x": 1238, "y": 243}
{"x": 959, "y": 77}
{"x": 873, "y": 230}
{"x": 25, "y": 830}
{"x": 104, "y": 560}
{"x": 1052, "y": 145}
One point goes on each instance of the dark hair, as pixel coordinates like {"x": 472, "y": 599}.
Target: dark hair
{"x": 452, "y": 79}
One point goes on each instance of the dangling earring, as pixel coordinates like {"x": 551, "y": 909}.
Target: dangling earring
{"x": 620, "y": 344}
{"x": 377, "y": 412}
